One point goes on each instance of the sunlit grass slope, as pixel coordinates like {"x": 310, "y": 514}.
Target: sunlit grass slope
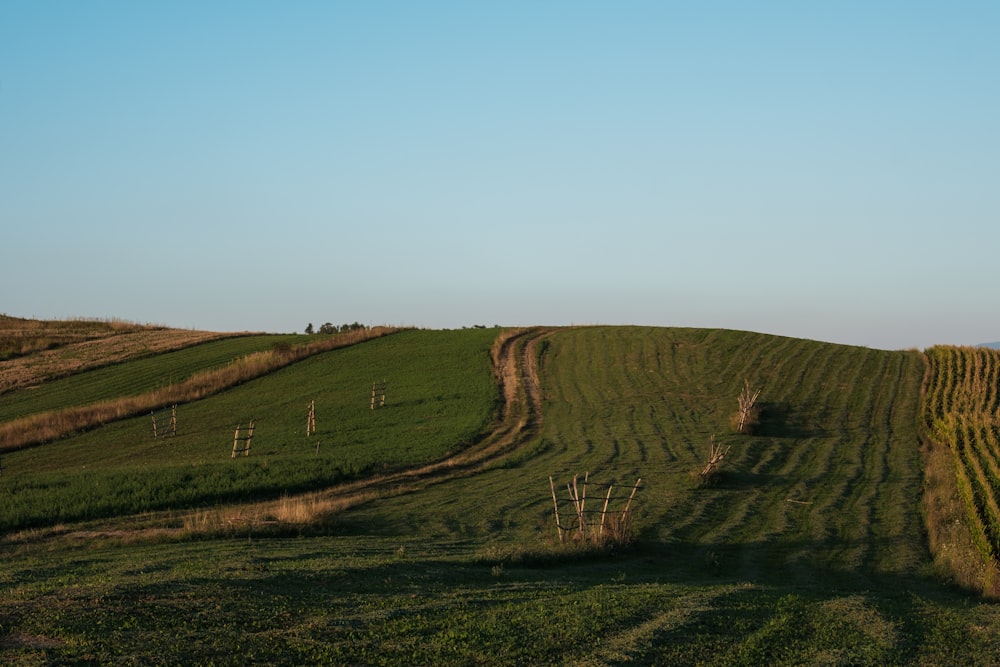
{"x": 830, "y": 479}
{"x": 440, "y": 395}
{"x": 809, "y": 550}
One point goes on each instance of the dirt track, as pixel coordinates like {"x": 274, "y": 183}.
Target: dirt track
{"x": 518, "y": 418}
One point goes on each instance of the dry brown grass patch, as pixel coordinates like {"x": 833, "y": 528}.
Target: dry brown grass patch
{"x": 28, "y": 371}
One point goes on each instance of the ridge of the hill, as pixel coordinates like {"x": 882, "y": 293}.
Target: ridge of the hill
{"x": 35, "y": 351}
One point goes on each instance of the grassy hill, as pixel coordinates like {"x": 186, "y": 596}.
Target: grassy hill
{"x": 820, "y": 542}
{"x": 440, "y": 397}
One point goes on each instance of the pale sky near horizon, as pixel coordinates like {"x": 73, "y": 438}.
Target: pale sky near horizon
{"x": 823, "y": 170}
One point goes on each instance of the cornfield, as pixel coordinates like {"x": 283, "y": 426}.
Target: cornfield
{"x": 962, "y": 411}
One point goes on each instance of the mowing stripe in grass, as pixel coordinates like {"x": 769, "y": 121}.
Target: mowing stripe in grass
{"x": 135, "y": 377}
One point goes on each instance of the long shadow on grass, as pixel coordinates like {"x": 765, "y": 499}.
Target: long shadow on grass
{"x": 782, "y": 420}
{"x": 683, "y": 607}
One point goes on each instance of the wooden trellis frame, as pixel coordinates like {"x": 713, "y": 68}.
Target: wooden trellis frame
{"x": 241, "y": 441}
{"x": 378, "y": 394}
{"x": 311, "y": 419}
{"x": 747, "y": 400}
{"x": 586, "y": 524}
{"x": 171, "y": 424}
{"x": 716, "y": 454}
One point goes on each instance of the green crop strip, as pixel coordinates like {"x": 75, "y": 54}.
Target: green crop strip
{"x": 962, "y": 413}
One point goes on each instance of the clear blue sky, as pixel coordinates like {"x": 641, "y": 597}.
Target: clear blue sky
{"x": 824, "y": 170}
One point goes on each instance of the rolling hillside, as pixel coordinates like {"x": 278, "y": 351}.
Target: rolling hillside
{"x": 423, "y": 532}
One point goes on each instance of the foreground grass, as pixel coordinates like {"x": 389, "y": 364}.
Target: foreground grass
{"x": 393, "y": 601}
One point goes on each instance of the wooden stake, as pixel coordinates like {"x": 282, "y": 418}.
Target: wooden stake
{"x": 555, "y": 507}
{"x": 236, "y": 440}
{"x": 631, "y": 496}
{"x": 746, "y": 401}
{"x": 575, "y": 494}
{"x": 604, "y": 512}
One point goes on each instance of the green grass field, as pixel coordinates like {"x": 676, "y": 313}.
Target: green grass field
{"x": 439, "y": 396}
{"x": 811, "y": 548}
{"x": 135, "y": 377}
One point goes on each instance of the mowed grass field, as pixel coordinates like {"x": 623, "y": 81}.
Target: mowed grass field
{"x": 135, "y": 377}
{"x": 439, "y": 395}
{"x": 810, "y": 549}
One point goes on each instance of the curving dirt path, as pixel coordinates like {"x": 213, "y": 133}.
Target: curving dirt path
{"x": 515, "y": 357}
{"x": 515, "y": 362}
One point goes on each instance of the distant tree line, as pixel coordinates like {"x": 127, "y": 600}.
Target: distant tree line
{"x": 329, "y": 328}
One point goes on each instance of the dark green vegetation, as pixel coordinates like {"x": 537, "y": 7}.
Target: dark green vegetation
{"x": 810, "y": 549}
{"x": 440, "y": 397}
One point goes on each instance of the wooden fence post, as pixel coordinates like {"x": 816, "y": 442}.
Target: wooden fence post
{"x": 604, "y": 510}
{"x": 631, "y": 496}
{"x": 578, "y": 503}
{"x": 555, "y": 507}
